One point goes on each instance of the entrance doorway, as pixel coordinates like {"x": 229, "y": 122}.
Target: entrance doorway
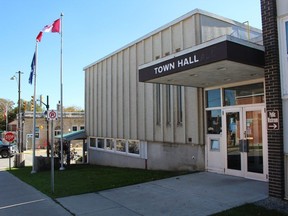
{"x": 246, "y": 142}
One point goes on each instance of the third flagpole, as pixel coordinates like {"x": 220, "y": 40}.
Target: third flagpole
{"x": 61, "y": 91}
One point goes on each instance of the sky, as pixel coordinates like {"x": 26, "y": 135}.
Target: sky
{"x": 92, "y": 29}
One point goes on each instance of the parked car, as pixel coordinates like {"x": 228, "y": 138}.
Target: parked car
{"x": 7, "y": 150}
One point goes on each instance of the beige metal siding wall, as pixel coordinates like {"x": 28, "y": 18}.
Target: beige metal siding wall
{"x": 87, "y": 101}
{"x": 109, "y": 96}
{"x": 133, "y": 78}
{"x": 141, "y": 121}
{"x": 119, "y": 96}
{"x": 114, "y": 96}
{"x": 121, "y": 107}
{"x": 94, "y": 102}
{"x": 148, "y": 90}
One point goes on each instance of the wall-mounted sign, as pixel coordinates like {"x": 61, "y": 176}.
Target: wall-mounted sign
{"x": 273, "y": 119}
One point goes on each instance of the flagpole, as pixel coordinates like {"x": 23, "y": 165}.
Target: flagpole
{"x": 34, "y": 110}
{"x": 61, "y": 91}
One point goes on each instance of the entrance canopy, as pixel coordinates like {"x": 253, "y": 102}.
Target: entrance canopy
{"x": 217, "y": 62}
{"x": 75, "y": 135}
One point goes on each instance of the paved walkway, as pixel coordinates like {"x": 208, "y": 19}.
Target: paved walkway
{"x": 194, "y": 194}
{"x": 19, "y": 198}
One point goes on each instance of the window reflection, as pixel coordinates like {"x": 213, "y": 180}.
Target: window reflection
{"x": 214, "y": 122}
{"x": 247, "y": 94}
{"x": 213, "y": 98}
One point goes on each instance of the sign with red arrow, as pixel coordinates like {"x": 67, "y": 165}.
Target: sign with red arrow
{"x": 273, "y": 119}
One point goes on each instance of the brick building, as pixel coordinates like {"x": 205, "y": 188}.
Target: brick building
{"x": 72, "y": 121}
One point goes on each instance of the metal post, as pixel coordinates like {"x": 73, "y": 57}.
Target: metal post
{"x": 47, "y": 108}
{"x": 52, "y": 157}
{"x": 20, "y": 144}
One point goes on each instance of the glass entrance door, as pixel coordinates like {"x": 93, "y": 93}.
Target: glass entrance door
{"x": 246, "y": 142}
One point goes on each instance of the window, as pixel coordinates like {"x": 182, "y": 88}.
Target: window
{"x": 214, "y": 122}
{"x": 214, "y": 145}
{"x": 92, "y": 142}
{"x": 57, "y": 131}
{"x": 213, "y": 98}
{"x": 109, "y": 144}
{"x": 158, "y": 104}
{"x": 121, "y": 145}
{"x": 179, "y": 105}
{"x": 100, "y": 143}
{"x": 82, "y": 127}
{"x": 168, "y": 104}
{"x": 74, "y": 128}
{"x": 133, "y": 147}
{"x": 283, "y": 33}
{"x": 247, "y": 94}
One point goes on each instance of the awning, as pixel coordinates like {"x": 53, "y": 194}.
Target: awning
{"x": 217, "y": 62}
{"x": 75, "y": 135}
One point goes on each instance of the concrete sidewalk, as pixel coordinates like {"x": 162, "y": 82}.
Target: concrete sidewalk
{"x": 194, "y": 194}
{"x": 19, "y": 198}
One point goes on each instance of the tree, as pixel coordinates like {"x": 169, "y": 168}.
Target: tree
{"x": 73, "y": 109}
{"x": 6, "y": 108}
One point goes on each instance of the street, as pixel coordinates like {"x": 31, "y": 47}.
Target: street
{"x": 4, "y": 162}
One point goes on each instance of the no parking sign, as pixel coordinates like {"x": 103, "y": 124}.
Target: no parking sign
{"x": 52, "y": 115}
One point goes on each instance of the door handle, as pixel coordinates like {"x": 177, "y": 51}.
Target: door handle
{"x": 243, "y": 145}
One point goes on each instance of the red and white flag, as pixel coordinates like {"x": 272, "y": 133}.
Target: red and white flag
{"x": 54, "y": 27}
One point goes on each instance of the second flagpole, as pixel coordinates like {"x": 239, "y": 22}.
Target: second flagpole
{"x": 61, "y": 91}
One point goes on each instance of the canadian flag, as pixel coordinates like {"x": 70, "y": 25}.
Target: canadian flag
{"x": 54, "y": 27}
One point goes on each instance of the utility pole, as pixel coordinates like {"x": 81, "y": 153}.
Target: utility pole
{"x": 19, "y": 128}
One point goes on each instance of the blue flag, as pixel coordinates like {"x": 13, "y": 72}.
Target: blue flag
{"x": 33, "y": 66}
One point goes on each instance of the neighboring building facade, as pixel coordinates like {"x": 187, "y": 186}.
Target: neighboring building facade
{"x": 187, "y": 96}
{"x": 275, "y": 36}
{"x": 72, "y": 121}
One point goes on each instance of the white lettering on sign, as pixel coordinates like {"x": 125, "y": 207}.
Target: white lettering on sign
{"x": 180, "y": 63}
{"x": 164, "y": 68}
{"x": 187, "y": 61}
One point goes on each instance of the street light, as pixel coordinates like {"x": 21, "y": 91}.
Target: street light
{"x": 20, "y": 143}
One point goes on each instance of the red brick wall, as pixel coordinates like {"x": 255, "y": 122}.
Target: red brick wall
{"x": 273, "y": 97}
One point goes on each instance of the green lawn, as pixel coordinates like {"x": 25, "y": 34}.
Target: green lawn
{"x": 79, "y": 179}
{"x": 250, "y": 210}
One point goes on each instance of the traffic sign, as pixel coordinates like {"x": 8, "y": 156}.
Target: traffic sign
{"x": 9, "y": 136}
{"x": 52, "y": 115}
{"x": 273, "y": 119}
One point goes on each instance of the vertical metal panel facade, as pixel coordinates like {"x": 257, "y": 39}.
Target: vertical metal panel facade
{"x": 121, "y": 107}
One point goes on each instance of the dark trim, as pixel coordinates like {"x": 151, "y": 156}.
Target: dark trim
{"x": 226, "y": 50}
